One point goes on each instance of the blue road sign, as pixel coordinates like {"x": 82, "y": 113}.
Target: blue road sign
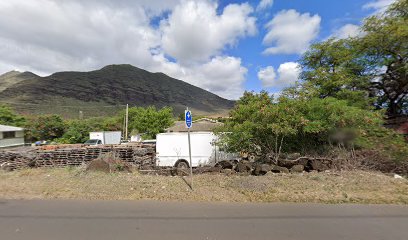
{"x": 189, "y": 118}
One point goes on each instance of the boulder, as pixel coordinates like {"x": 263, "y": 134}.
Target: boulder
{"x": 277, "y": 169}
{"x": 225, "y": 164}
{"x": 297, "y": 169}
{"x": 289, "y": 163}
{"x": 243, "y": 167}
{"x": 262, "y": 169}
{"x": 266, "y": 168}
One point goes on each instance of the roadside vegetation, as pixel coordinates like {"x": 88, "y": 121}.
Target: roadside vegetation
{"x": 327, "y": 187}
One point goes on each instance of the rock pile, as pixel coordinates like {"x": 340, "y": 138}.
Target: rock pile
{"x": 298, "y": 165}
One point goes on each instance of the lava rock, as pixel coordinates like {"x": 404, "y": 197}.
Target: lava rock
{"x": 243, "y": 167}
{"x": 297, "y": 169}
{"x": 261, "y": 169}
{"x": 225, "y": 164}
{"x": 277, "y": 169}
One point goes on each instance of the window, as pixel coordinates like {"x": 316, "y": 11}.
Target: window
{"x": 9, "y": 135}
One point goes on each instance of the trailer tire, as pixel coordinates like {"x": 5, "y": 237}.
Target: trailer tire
{"x": 182, "y": 167}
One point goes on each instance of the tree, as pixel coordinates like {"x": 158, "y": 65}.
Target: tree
{"x": 385, "y": 46}
{"x": 368, "y": 70}
{"x": 46, "y": 127}
{"x": 334, "y": 68}
{"x": 9, "y": 117}
{"x": 258, "y": 123}
{"x": 77, "y": 131}
{"x": 150, "y": 121}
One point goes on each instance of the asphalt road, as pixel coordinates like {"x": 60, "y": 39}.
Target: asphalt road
{"x": 62, "y": 219}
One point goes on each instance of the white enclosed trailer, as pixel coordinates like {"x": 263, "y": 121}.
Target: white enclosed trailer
{"x": 172, "y": 149}
{"x": 107, "y": 137}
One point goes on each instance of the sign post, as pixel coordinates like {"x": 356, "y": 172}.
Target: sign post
{"x": 189, "y": 123}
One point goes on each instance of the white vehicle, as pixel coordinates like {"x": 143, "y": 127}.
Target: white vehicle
{"x": 109, "y": 137}
{"x": 93, "y": 142}
{"x": 172, "y": 149}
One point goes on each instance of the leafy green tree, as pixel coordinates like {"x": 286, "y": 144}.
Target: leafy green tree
{"x": 9, "y": 117}
{"x": 150, "y": 121}
{"x": 385, "y": 47}
{"x": 334, "y": 68}
{"x": 368, "y": 70}
{"x": 258, "y": 123}
{"x": 77, "y": 131}
{"x": 46, "y": 127}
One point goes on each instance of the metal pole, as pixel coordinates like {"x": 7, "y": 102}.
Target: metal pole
{"x": 123, "y": 127}
{"x": 127, "y": 122}
{"x": 191, "y": 164}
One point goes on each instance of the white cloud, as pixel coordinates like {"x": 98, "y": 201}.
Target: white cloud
{"x": 346, "y": 31}
{"x": 264, "y": 4}
{"x": 287, "y": 75}
{"x": 267, "y": 76}
{"x": 378, "y": 5}
{"x": 223, "y": 75}
{"x": 290, "y": 32}
{"x": 195, "y": 32}
{"x": 45, "y": 36}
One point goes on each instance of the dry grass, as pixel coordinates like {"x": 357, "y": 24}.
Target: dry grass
{"x": 74, "y": 183}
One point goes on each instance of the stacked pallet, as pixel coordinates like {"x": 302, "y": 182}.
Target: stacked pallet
{"x": 135, "y": 155}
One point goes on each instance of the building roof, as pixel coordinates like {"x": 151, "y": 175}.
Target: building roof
{"x": 5, "y": 128}
{"x": 201, "y": 125}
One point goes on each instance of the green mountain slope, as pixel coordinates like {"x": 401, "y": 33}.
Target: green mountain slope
{"x": 105, "y": 91}
{"x": 13, "y": 77}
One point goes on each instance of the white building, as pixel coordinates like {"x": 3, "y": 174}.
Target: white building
{"x": 11, "y": 136}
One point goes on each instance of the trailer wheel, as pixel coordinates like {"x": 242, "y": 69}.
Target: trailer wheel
{"x": 182, "y": 167}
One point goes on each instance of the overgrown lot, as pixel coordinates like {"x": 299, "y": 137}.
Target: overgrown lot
{"x": 328, "y": 187}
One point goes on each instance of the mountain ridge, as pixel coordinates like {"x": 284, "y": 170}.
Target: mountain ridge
{"x": 111, "y": 85}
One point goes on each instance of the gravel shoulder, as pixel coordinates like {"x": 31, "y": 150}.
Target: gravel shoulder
{"x": 328, "y": 187}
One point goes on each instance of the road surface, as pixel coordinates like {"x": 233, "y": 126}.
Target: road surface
{"x": 111, "y": 220}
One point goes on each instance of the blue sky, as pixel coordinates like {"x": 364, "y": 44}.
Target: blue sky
{"x": 334, "y": 15}
{"x": 225, "y": 47}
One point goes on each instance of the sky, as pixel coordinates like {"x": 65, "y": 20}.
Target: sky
{"x": 225, "y": 47}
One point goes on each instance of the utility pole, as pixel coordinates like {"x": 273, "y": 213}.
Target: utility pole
{"x": 124, "y": 127}
{"x": 127, "y": 121}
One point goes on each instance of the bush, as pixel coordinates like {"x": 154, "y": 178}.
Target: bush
{"x": 9, "y": 117}
{"x": 260, "y": 124}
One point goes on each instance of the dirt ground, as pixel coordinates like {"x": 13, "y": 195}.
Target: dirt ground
{"x": 329, "y": 187}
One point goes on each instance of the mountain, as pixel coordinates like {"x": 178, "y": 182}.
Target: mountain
{"x": 104, "y": 92}
{"x": 10, "y": 78}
